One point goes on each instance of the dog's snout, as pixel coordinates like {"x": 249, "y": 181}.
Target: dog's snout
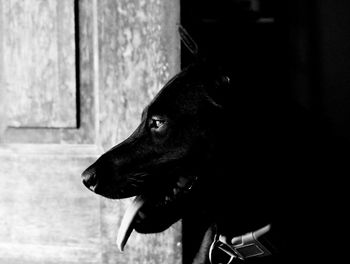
{"x": 89, "y": 178}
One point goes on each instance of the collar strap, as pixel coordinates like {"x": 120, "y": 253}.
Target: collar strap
{"x": 252, "y": 244}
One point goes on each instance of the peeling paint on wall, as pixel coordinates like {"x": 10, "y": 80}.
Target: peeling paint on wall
{"x": 139, "y": 50}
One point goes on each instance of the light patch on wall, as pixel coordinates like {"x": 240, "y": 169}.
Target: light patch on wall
{"x": 137, "y": 53}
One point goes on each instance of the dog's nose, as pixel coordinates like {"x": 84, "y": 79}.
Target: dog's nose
{"x": 89, "y": 179}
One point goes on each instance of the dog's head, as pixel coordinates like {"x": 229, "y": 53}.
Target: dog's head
{"x": 163, "y": 161}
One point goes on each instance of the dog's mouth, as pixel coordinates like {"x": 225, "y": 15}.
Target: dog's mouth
{"x": 162, "y": 195}
{"x": 154, "y": 211}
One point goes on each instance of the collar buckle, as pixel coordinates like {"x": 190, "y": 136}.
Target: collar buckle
{"x": 240, "y": 247}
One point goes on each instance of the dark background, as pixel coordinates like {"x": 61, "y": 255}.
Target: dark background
{"x": 292, "y": 49}
{"x": 298, "y": 48}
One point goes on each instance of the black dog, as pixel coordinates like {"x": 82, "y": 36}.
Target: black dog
{"x": 229, "y": 160}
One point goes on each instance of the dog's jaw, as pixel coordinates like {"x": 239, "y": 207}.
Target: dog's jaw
{"x": 156, "y": 207}
{"x": 150, "y": 214}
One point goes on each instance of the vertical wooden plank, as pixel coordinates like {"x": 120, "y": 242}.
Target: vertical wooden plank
{"x": 2, "y": 84}
{"x": 39, "y": 51}
{"x": 139, "y": 51}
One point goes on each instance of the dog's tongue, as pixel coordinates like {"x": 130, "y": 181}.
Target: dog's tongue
{"x": 126, "y": 227}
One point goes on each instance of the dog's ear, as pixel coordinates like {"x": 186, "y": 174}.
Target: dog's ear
{"x": 189, "y": 42}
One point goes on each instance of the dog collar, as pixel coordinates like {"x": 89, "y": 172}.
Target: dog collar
{"x": 252, "y": 244}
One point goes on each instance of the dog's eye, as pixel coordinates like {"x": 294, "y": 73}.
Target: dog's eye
{"x": 156, "y": 123}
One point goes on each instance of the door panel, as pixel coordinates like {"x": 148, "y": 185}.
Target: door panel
{"x": 39, "y": 54}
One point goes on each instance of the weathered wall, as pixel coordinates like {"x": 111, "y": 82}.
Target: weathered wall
{"x": 138, "y": 52}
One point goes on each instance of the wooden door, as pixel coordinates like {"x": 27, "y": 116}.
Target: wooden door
{"x": 48, "y": 120}
{"x": 58, "y": 113}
